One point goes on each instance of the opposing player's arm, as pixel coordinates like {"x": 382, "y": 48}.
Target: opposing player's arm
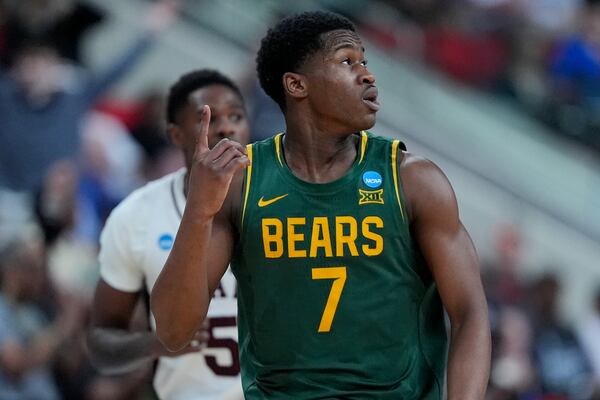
{"x": 450, "y": 254}
{"x": 204, "y": 241}
{"x": 113, "y": 348}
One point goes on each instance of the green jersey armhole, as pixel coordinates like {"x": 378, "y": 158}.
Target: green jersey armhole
{"x": 396, "y": 175}
{"x": 247, "y": 182}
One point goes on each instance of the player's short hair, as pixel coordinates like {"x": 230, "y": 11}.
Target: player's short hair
{"x": 180, "y": 91}
{"x": 288, "y": 44}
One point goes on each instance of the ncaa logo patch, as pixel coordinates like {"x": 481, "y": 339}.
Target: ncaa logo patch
{"x": 372, "y": 179}
{"x": 165, "y": 241}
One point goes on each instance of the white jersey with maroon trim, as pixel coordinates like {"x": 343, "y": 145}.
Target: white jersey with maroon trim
{"x": 135, "y": 243}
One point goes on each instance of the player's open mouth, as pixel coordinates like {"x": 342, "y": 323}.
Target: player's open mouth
{"x": 370, "y": 98}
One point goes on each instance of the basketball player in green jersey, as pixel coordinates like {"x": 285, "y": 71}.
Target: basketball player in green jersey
{"x": 344, "y": 245}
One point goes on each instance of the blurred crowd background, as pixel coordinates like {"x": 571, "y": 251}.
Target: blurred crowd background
{"x": 503, "y": 94}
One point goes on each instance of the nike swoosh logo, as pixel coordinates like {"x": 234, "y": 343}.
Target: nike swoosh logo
{"x": 263, "y": 203}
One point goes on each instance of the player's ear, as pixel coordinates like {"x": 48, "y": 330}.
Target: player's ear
{"x": 175, "y": 135}
{"x": 295, "y": 85}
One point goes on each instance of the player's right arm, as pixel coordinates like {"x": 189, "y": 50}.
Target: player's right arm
{"x": 204, "y": 241}
{"x": 113, "y": 348}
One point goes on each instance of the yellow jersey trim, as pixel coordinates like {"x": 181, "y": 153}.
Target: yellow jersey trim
{"x": 363, "y": 145}
{"x": 395, "y": 144}
{"x": 248, "y": 178}
{"x": 278, "y": 147}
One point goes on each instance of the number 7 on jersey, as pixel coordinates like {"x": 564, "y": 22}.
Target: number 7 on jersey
{"x": 338, "y": 274}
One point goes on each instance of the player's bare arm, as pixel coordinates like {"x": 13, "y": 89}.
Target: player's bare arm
{"x": 113, "y": 348}
{"x": 204, "y": 241}
{"x": 451, "y": 257}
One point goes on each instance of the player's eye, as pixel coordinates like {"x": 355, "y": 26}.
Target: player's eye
{"x": 235, "y": 117}
{"x": 347, "y": 61}
{"x": 364, "y": 63}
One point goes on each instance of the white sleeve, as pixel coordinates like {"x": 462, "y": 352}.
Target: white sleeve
{"x": 119, "y": 257}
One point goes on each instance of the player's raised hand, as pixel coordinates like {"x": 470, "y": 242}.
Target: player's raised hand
{"x": 212, "y": 170}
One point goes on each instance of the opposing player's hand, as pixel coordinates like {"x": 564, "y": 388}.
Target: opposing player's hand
{"x": 212, "y": 170}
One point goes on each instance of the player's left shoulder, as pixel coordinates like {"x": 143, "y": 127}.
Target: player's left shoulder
{"x": 415, "y": 166}
{"x": 424, "y": 183}
{"x": 419, "y": 169}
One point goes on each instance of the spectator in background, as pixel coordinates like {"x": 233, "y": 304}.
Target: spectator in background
{"x": 550, "y": 16}
{"x": 508, "y": 243}
{"x": 463, "y": 45}
{"x": 513, "y": 375}
{"x": 41, "y": 333}
{"x": 61, "y": 22}
{"x": 144, "y": 118}
{"x": 563, "y": 368}
{"x": 43, "y": 100}
{"x": 589, "y": 334}
{"x": 512, "y": 366}
{"x": 149, "y": 131}
{"x": 29, "y": 341}
{"x": 55, "y": 202}
{"x": 424, "y": 12}
{"x": 109, "y": 170}
{"x": 70, "y": 222}
{"x": 575, "y": 73}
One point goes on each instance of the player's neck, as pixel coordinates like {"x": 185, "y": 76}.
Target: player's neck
{"x": 315, "y": 154}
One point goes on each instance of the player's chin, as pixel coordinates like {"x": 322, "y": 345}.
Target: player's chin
{"x": 366, "y": 121}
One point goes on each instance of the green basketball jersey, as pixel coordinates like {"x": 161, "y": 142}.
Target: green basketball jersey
{"x": 335, "y": 301}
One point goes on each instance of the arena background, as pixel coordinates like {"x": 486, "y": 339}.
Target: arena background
{"x": 487, "y": 89}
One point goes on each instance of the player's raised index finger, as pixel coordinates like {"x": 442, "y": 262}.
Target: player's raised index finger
{"x": 202, "y": 143}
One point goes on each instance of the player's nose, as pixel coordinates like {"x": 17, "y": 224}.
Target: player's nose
{"x": 367, "y": 77}
{"x": 225, "y": 130}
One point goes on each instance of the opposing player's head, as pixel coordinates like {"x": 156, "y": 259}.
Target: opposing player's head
{"x": 186, "y": 98}
{"x": 315, "y": 62}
